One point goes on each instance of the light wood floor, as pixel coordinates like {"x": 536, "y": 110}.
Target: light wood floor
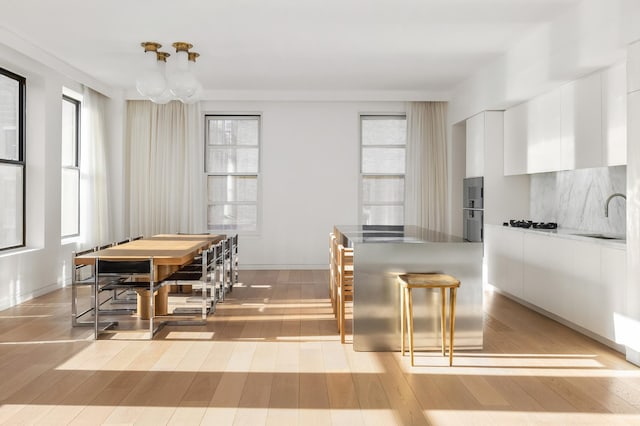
{"x": 271, "y": 355}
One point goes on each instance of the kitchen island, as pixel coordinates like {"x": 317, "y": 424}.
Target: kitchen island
{"x": 383, "y": 252}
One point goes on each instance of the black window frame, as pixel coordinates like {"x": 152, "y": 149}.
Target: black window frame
{"x": 21, "y": 161}
{"x": 76, "y": 163}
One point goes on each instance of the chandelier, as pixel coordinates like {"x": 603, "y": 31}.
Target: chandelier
{"x": 161, "y": 84}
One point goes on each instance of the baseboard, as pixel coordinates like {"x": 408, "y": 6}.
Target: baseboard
{"x": 9, "y": 302}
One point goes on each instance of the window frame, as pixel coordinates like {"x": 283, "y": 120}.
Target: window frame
{"x": 257, "y": 174}
{"x": 76, "y": 163}
{"x": 21, "y": 161}
{"x": 363, "y": 175}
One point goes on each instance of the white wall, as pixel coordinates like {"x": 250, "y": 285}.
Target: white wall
{"x": 43, "y": 264}
{"x": 629, "y": 321}
{"x": 309, "y": 176}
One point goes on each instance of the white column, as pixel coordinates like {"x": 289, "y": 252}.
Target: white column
{"x": 628, "y": 324}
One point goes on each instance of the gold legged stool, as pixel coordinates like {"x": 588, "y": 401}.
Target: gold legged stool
{"x": 428, "y": 280}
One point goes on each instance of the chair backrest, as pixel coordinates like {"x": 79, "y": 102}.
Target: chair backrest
{"x": 345, "y": 259}
{"x": 104, "y": 246}
{"x": 83, "y": 252}
{"x": 219, "y": 250}
{"x": 80, "y": 270}
{"x": 106, "y": 266}
{"x": 209, "y": 261}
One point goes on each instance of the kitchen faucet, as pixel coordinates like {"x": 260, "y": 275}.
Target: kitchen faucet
{"x": 606, "y": 204}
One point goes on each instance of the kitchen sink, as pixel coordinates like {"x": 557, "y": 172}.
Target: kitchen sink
{"x": 602, "y": 236}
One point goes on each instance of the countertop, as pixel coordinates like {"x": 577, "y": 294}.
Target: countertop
{"x": 394, "y": 234}
{"x": 573, "y": 234}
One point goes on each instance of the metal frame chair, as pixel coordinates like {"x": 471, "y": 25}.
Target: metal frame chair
{"x": 233, "y": 261}
{"x": 121, "y": 274}
{"x": 202, "y": 271}
{"x": 78, "y": 281}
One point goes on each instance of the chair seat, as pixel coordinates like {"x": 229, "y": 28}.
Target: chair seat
{"x": 125, "y": 284}
{"x": 428, "y": 280}
{"x": 92, "y": 281}
{"x": 185, "y": 275}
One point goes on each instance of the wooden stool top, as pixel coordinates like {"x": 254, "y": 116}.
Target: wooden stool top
{"x": 428, "y": 280}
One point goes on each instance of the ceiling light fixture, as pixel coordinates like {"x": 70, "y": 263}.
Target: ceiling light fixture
{"x": 161, "y": 84}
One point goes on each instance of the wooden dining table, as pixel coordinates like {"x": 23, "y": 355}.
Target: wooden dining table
{"x": 169, "y": 253}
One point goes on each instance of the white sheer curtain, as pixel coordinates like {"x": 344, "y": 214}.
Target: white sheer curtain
{"x": 426, "y": 174}
{"x": 165, "y": 168}
{"x": 95, "y": 219}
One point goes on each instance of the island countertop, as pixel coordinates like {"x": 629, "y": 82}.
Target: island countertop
{"x": 394, "y": 234}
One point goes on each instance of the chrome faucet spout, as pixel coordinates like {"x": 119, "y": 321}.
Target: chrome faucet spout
{"x": 606, "y": 204}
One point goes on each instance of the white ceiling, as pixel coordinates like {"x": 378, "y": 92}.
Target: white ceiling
{"x": 273, "y": 45}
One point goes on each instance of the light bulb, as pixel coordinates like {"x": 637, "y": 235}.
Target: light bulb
{"x": 152, "y": 81}
{"x": 164, "y": 98}
{"x": 182, "y": 82}
{"x": 195, "y": 97}
{"x": 197, "y": 94}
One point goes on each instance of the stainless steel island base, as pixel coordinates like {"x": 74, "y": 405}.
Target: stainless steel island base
{"x": 380, "y": 256}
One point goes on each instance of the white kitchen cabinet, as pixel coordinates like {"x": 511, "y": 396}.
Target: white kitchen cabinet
{"x": 544, "y": 262}
{"x": 515, "y": 139}
{"x": 614, "y": 115}
{"x": 503, "y": 250}
{"x": 475, "y": 146}
{"x": 609, "y": 297}
{"x": 633, "y": 67}
{"x": 544, "y": 149}
{"x": 581, "y": 283}
{"x": 578, "y": 280}
{"x": 581, "y": 123}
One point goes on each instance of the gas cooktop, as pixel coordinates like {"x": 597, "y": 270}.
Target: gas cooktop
{"x": 531, "y": 224}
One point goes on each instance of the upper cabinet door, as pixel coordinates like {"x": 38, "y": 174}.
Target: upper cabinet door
{"x": 544, "y": 153}
{"x": 581, "y": 118}
{"x": 614, "y": 115}
{"x": 515, "y": 139}
{"x": 475, "y": 146}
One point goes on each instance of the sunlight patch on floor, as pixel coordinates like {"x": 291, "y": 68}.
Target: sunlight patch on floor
{"x": 533, "y": 365}
{"x": 279, "y": 317}
{"x": 509, "y": 418}
{"x": 24, "y": 316}
{"x": 189, "y": 335}
{"x": 45, "y": 342}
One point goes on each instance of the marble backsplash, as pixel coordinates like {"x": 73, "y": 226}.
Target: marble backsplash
{"x": 576, "y": 198}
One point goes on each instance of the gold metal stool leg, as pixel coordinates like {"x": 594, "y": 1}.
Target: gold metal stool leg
{"x": 402, "y": 319}
{"x": 452, "y": 321}
{"x": 443, "y": 317}
{"x": 410, "y": 322}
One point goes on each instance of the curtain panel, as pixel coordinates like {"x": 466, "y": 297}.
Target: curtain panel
{"x": 165, "y": 168}
{"x": 426, "y": 182}
{"x": 95, "y": 219}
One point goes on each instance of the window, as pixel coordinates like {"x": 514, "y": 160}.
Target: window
{"x": 70, "y": 200}
{"x": 12, "y": 110}
{"x": 232, "y": 167}
{"x": 382, "y": 169}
